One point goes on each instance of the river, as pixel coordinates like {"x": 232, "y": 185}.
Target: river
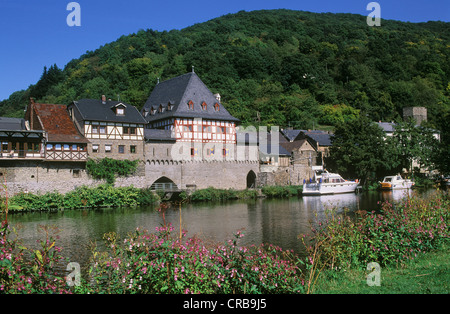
{"x": 275, "y": 221}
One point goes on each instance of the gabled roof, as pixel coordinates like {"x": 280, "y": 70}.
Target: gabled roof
{"x": 290, "y": 134}
{"x": 294, "y": 145}
{"x": 57, "y": 123}
{"x": 178, "y": 92}
{"x": 322, "y": 138}
{"x": 98, "y": 110}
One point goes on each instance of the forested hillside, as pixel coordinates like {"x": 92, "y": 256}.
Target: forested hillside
{"x": 276, "y": 67}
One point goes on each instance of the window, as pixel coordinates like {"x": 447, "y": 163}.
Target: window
{"x": 187, "y": 128}
{"x": 33, "y": 147}
{"x": 95, "y": 129}
{"x": 132, "y": 149}
{"x": 121, "y": 149}
{"x": 120, "y": 111}
{"x": 66, "y": 147}
{"x": 191, "y": 105}
{"x": 49, "y": 147}
{"x": 207, "y": 129}
{"x": 204, "y": 106}
{"x": 108, "y": 148}
{"x": 74, "y": 147}
{"x": 5, "y": 146}
{"x": 129, "y": 130}
{"x": 102, "y": 129}
{"x": 58, "y": 146}
{"x": 221, "y": 129}
{"x": 216, "y": 107}
{"x": 194, "y": 152}
{"x": 95, "y": 148}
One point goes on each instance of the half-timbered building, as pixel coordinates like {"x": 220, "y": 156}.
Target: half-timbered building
{"x": 195, "y": 115}
{"x": 63, "y": 142}
{"x": 115, "y": 129}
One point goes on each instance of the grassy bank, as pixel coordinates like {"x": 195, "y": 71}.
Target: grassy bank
{"x": 429, "y": 273}
{"x": 341, "y": 247}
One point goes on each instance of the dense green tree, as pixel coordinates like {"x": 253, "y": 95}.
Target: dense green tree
{"x": 413, "y": 144}
{"x": 360, "y": 151}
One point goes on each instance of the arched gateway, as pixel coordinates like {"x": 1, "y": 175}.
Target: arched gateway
{"x": 164, "y": 184}
{"x": 251, "y": 179}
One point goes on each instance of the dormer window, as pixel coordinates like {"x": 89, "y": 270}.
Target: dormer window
{"x": 169, "y": 106}
{"x": 119, "y": 109}
{"x": 204, "y": 106}
{"x": 152, "y": 111}
{"x": 191, "y": 105}
{"x": 216, "y": 107}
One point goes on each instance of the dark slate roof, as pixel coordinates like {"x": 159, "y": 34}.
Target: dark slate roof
{"x": 387, "y": 126}
{"x": 96, "y": 110}
{"x": 158, "y": 135}
{"x": 322, "y": 138}
{"x": 12, "y": 124}
{"x": 290, "y": 135}
{"x": 267, "y": 150}
{"x": 178, "y": 92}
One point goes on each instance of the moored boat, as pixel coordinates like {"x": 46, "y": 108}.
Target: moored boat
{"x": 395, "y": 183}
{"x": 325, "y": 182}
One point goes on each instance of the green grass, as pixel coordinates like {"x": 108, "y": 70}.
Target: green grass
{"x": 428, "y": 274}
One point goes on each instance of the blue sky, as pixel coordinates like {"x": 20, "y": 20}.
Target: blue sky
{"x": 34, "y": 33}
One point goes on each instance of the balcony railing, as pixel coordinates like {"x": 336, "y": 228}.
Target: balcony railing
{"x": 67, "y": 155}
{"x": 22, "y": 154}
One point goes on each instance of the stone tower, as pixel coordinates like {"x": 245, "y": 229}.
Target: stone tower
{"x": 419, "y": 114}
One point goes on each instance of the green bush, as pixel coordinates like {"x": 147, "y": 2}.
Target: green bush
{"x": 104, "y": 195}
{"x": 107, "y": 168}
{"x": 398, "y": 233}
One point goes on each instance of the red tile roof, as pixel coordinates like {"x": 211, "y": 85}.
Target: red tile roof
{"x": 57, "y": 123}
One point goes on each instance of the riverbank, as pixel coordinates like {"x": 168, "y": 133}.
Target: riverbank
{"x": 167, "y": 261}
{"x": 428, "y": 274}
{"x": 106, "y": 195}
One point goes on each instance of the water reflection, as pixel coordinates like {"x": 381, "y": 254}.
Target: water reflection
{"x": 279, "y": 222}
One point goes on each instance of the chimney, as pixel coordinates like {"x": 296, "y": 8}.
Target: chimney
{"x": 31, "y": 113}
{"x": 103, "y": 99}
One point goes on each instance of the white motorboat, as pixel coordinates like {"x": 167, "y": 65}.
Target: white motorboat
{"x": 325, "y": 182}
{"x": 395, "y": 183}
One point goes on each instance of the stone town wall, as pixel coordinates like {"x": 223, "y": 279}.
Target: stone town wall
{"x": 44, "y": 176}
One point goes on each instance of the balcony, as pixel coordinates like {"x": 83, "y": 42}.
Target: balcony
{"x": 66, "y": 155}
{"x": 22, "y": 154}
